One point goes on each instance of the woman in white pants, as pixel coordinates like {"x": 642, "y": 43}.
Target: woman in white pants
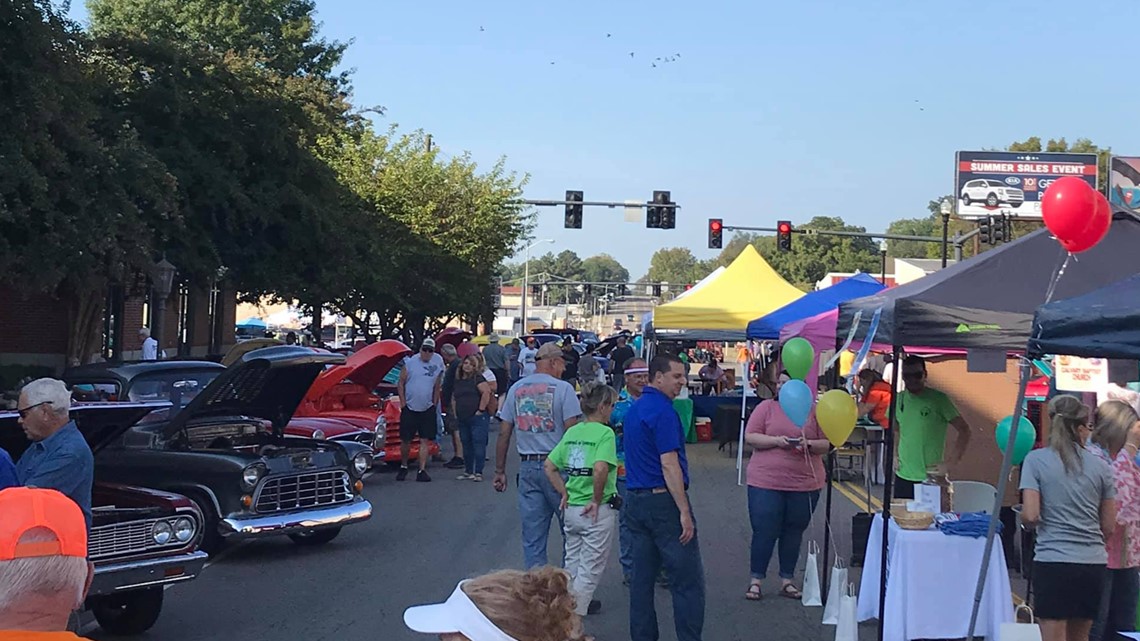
{"x": 587, "y": 454}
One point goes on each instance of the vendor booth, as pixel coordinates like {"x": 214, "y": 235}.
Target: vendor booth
{"x": 811, "y": 304}
{"x": 1104, "y": 323}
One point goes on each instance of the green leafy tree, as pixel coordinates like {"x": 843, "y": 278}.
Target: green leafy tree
{"x": 1060, "y": 145}
{"x": 604, "y": 268}
{"x": 674, "y": 265}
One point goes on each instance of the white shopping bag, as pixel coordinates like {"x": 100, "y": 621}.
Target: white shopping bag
{"x": 848, "y": 628}
{"x": 834, "y": 590}
{"x": 1020, "y": 631}
{"x": 811, "y": 594}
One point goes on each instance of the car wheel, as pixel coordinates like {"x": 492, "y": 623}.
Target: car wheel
{"x": 318, "y": 537}
{"x": 212, "y": 541}
{"x": 992, "y": 200}
{"x": 966, "y": 200}
{"x": 1016, "y": 205}
{"x": 129, "y": 613}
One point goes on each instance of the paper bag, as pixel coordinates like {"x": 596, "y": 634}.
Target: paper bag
{"x": 1020, "y": 631}
{"x": 834, "y": 591}
{"x": 848, "y": 627}
{"x": 811, "y": 593}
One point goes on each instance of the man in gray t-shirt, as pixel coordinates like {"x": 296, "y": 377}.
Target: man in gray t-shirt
{"x": 1068, "y": 529}
{"x": 538, "y": 409}
{"x": 419, "y": 390}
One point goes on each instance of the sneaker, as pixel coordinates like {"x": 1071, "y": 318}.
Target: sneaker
{"x": 455, "y": 463}
{"x": 478, "y": 478}
{"x": 465, "y": 477}
{"x": 422, "y": 477}
{"x": 594, "y": 607}
{"x": 402, "y": 474}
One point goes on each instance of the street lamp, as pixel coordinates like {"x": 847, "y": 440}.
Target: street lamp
{"x": 946, "y": 208}
{"x": 162, "y": 281}
{"x": 883, "y": 251}
{"x": 526, "y": 277}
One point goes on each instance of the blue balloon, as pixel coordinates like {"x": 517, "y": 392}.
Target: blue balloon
{"x": 795, "y": 400}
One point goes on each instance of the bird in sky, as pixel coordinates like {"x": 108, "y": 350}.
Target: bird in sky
{"x": 608, "y": 35}
{"x": 630, "y": 54}
{"x": 482, "y": 29}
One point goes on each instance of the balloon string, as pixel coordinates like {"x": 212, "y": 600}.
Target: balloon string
{"x": 1057, "y": 274}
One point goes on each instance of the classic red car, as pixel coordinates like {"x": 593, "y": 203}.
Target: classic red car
{"x": 141, "y": 539}
{"x": 356, "y": 393}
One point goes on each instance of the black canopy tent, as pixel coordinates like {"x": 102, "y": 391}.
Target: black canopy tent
{"x": 986, "y": 302}
{"x": 1101, "y": 324}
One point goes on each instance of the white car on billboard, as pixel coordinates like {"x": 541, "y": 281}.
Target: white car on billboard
{"x": 991, "y": 192}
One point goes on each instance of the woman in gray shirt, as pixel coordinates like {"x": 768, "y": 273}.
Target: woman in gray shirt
{"x": 1068, "y": 495}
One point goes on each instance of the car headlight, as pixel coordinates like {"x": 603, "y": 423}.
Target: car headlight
{"x": 360, "y": 463}
{"x": 319, "y": 435}
{"x": 162, "y": 532}
{"x": 379, "y": 441}
{"x": 251, "y": 475}
{"x": 183, "y": 529}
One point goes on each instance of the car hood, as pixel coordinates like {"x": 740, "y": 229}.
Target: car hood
{"x": 100, "y": 424}
{"x": 366, "y": 367}
{"x": 267, "y": 383}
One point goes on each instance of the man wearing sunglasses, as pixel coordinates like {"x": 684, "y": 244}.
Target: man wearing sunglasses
{"x": 420, "y": 390}
{"x": 922, "y": 415}
{"x": 59, "y": 457}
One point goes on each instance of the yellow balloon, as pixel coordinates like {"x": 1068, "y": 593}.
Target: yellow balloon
{"x": 836, "y": 414}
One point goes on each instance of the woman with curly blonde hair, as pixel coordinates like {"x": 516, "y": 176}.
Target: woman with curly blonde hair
{"x": 508, "y": 605}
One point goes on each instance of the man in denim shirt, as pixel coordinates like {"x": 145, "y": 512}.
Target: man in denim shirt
{"x": 537, "y": 412}
{"x": 59, "y": 457}
{"x": 658, "y": 512}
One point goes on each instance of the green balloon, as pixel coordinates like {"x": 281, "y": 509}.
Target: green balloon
{"x": 797, "y": 355}
{"x": 1025, "y": 440}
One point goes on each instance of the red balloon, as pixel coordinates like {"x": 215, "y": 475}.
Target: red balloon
{"x": 1097, "y": 227}
{"x": 1069, "y": 208}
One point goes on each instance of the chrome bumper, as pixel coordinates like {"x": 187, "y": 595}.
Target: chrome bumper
{"x": 132, "y": 575}
{"x": 242, "y": 526}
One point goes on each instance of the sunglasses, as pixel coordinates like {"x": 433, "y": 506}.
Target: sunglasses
{"x": 427, "y": 349}
{"x": 27, "y": 410}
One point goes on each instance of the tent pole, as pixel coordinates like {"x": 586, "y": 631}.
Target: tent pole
{"x": 888, "y": 486}
{"x": 1006, "y": 467}
{"x": 827, "y": 523}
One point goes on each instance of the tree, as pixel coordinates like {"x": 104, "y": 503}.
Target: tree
{"x": 675, "y": 265}
{"x": 1079, "y": 146}
{"x": 604, "y": 268}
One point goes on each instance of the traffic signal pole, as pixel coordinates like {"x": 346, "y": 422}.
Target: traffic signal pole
{"x": 957, "y": 241}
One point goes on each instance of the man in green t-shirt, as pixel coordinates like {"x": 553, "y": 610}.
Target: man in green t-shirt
{"x": 587, "y": 454}
{"x": 922, "y": 415}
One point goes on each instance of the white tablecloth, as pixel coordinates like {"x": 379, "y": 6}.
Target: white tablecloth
{"x": 930, "y": 585}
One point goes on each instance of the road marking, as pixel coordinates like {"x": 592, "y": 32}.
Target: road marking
{"x": 861, "y": 490}
{"x": 860, "y": 502}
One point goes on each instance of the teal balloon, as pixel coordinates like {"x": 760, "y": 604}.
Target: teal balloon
{"x": 797, "y": 355}
{"x": 1026, "y": 437}
{"x": 795, "y": 400}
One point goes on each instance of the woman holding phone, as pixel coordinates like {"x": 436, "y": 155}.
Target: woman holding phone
{"x": 785, "y": 475}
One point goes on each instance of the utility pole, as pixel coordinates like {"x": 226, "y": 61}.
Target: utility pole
{"x": 428, "y": 143}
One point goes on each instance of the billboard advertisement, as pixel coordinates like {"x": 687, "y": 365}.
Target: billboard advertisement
{"x": 1124, "y": 182}
{"x": 992, "y": 183}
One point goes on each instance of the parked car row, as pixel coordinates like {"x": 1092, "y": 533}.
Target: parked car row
{"x": 191, "y": 454}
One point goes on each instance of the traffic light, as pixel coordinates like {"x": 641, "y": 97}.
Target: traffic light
{"x": 573, "y": 211}
{"x": 586, "y": 289}
{"x": 986, "y": 230}
{"x": 536, "y": 290}
{"x": 623, "y": 290}
{"x": 657, "y": 291}
{"x": 999, "y": 231}
{"x": 668, "y": 214}
{"x": 716, "y": 237}
{"x": 1007, "y": 227}
{"x": 784, "y": 236}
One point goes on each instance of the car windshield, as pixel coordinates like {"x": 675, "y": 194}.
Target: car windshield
{"x": 179, "y": 388}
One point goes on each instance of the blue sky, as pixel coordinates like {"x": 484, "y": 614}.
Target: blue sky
{"x": 772, "y": 111}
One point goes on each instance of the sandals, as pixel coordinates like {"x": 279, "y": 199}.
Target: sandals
{"x": 753, "y": 593}
{"x": 790, "y": 591}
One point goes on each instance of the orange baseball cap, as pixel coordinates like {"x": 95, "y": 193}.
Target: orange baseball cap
{"x": 24, "y": 508}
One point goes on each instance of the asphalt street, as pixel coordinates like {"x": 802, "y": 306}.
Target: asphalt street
{"x": 424, "y": 537}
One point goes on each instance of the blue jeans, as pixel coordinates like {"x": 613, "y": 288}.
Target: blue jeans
{"x": 655, "y": 525}
{"x": 625, "y": 538}
{"x": 781, "y": 516}
{"x": 473, "y": 434}
{"x": 1117, "y": 605}
{"x": 538, "y": 502}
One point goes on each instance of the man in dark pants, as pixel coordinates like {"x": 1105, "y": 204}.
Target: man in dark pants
{"x": 659, "y": 516}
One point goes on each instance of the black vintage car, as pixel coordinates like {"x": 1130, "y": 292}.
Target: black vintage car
{"x": 141, "y": 540}
{"x": 223, "y": 445}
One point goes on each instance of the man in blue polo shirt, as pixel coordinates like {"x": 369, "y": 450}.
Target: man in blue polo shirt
{"x": 658, "y": 513}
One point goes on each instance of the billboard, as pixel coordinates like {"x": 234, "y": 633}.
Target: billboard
{"x": 1124, "y": 182}
{"x": 992, "y": 183}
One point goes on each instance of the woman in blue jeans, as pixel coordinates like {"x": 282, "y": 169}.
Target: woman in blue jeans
{"x": 473, "y": 403}
{"x": 785, "y": 475}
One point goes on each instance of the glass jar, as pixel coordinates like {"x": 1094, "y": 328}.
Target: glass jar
{"x": 937, "y": 476}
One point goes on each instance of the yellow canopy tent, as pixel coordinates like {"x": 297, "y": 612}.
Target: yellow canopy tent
{"x": 747, "y": 289}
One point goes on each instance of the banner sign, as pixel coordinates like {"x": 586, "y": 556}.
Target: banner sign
{"x": 993, "y": 183}
{"x": 1081, "y": 374}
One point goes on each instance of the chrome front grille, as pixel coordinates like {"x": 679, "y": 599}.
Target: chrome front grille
{"x": 132, "y": 537}
{"x": 303, "y": 490}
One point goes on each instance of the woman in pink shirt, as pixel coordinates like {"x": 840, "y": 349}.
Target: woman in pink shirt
{"x": 1115, "y": 440}
{"x": 785, "y": 475}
